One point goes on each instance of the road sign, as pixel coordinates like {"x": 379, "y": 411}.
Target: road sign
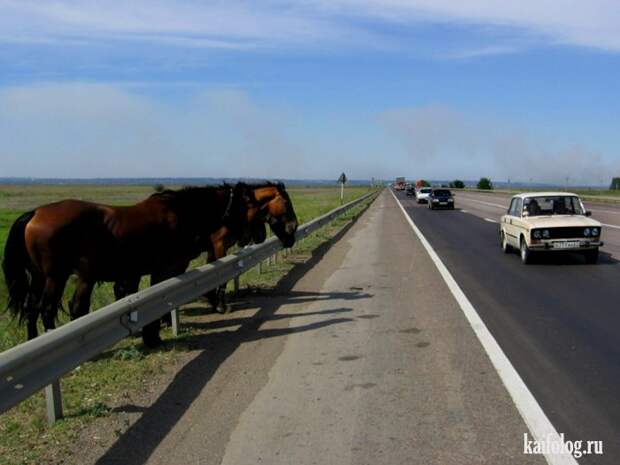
{"x": 342, "y": 179}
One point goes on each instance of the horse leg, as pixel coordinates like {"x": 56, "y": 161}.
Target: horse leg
{"x": 212, "y": 296}
{"x": 159, "y": 277}
{"x": 32, "y": 305}
{"x": 80, "y": 302}
{"x": 126, "y": 287}
{"x": 150, "y": 332}
{"x": 221, "y": 297}
{"x": 217, "y": 297}
{"x": 52, "y": 293}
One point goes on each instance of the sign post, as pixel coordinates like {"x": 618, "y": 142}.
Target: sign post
{"x": 342, "y": 180}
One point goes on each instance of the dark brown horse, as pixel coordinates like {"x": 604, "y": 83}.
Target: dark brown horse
{"x": 274, "y": 208}
{"x": 97, "y": 242}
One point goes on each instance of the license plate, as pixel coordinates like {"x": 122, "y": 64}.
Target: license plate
{"x": 566, "y": 245}
{"x": 443, "y": 203}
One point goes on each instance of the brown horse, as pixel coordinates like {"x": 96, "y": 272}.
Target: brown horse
{"x": 274, "y": 208}
{"x": 102, "y": 243}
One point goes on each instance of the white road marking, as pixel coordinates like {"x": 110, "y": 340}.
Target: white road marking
{"x": 533, "y": 415}
{"x": 490, "y": 220}
{"x": 464, "y": 211}
{"x": 611, "y": 226}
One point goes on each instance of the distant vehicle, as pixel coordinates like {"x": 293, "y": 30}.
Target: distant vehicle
{"x": 549, "y": 221}
{"x": 410, "y": 190}
{"x": 422, "y": 194}
{"x": 441, "y": 198}
{"x": 399, "y": 184}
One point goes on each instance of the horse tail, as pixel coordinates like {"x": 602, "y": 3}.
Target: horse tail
{"x": 15, "y": 266}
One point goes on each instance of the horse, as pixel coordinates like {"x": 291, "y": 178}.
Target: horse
{"x": 274, "y": 208}
{"x": 104, "y": 243}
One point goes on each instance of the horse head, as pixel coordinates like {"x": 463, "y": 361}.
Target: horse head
{"x": 277, "y": 210}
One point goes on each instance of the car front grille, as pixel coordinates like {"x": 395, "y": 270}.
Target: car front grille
{"x": 566, "y": 233}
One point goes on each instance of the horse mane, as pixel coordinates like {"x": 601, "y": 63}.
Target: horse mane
{"x": 189, "y": 199}
{"x": 277, "y": 184}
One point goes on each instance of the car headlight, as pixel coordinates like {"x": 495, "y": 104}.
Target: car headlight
{"x": 595, "y": 232}
{"x": 546, "y": 234}
{"x": 586, "y": 232}
{"x": 536, "y": 234}
{"x": 450, "y": 200}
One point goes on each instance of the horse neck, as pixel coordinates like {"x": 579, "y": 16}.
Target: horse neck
{"x": 202, "y": 209}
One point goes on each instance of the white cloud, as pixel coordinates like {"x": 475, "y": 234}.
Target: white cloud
{"x": 443, "y": 143}
{"x": 105, "y": 130}
{"x": 592, "y": 23}
{"x": 250, "y": 24}
{"x": 219, "y": 24}
{"x": 100, "y": 130}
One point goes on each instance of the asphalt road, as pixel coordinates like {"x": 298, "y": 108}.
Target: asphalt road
{"x": 557, "y": 320}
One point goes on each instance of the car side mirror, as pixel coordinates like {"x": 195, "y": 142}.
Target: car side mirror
{"x": 588, "y": 213}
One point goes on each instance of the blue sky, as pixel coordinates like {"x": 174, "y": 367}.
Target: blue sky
{"x": 422, "y": 88}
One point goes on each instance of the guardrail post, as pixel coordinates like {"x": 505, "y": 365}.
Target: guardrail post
{"x": 236, "y": 285}
{"x": 259, "y": 267}
{"x": 174, "y": 317}
{"x": 53, "y": 402}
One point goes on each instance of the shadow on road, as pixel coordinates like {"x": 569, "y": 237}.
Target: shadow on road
{"x": 136, "y": 445}
{"x": 568, "y": 258}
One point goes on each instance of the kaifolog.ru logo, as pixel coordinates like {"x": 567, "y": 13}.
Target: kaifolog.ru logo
{"x": 553, "y": 445}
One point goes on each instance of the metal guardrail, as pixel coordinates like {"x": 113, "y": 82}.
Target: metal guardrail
{"x": 35, "y": 364}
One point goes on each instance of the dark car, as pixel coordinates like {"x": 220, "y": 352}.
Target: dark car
{"x": 410, "y": 191}
{"x": 441, "y": 198}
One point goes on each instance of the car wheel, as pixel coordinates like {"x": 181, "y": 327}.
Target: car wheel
{"x": 591, "y": 256}
{"x": 526, "y": 254}
{"x": 506, "y": 248}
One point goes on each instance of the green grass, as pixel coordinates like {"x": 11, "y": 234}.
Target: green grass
{"x": 89, "y": 391}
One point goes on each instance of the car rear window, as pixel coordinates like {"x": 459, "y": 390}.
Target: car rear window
{"x": 426, "y": 191}
{"x": 442, "y": 192}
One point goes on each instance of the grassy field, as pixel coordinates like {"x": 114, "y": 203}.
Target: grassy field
{"x": 89, "y": 391}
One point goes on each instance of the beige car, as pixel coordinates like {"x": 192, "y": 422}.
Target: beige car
{"x": 548, "y": 222}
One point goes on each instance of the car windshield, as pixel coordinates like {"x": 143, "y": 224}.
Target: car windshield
{"x": 425, "y": 191}
{"x": 442, "y": 193}
{"x": 552, "y": 205}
